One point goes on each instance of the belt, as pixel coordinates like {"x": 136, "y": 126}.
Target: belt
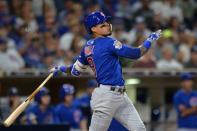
{"x": 120, "y": 89}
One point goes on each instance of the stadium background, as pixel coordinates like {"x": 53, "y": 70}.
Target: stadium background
{"x": 39, "y": 34}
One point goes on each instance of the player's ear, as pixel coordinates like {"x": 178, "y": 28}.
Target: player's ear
{"x": 93, "y": 29}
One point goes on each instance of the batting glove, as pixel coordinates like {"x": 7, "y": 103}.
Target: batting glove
{"x": 74, "y": 71}
{"x": 153, "y": 37}
{"x": 57, "y": 70}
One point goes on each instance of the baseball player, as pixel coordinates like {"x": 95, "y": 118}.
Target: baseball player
{"x": 68, "y": 113}
{"x": 101, "y": 53}
{"x": 83, "y": 102}
{"x": 11, "y": 105}
{"x": 41, "y": 112}
{"x": 185, "y": 101}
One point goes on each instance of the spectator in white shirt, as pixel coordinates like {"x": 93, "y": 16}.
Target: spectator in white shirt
{"x": 167, "y": 61}
{"x": 10, "y": 60}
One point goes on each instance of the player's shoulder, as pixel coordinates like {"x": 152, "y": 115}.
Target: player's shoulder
{"x": 179, "y": 94}
{"x": 104, "y": 40}
{"x": 34, "y": 108}
{"x": 194, "y": 92}
{"x": 59, "y": 107}
{"x": 90, "y": 42}
{"x": 98, "y": 40}
{"x": 51, "y": 108}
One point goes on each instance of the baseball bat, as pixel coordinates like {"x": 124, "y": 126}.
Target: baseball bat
{"x": 12, "y": 117}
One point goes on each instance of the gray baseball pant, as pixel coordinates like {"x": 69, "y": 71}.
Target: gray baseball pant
{"x": 107, "y": 104}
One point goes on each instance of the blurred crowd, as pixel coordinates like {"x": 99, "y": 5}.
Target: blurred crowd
{"x": 43, "y": 33}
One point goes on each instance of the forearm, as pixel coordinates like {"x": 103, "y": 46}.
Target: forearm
{"x": 83, "y": 125}
{"x": 189, "y": 111}
{"x": 145, "y": 47}
{"x": 77, "y": 68}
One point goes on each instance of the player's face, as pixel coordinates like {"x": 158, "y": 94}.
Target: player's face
{"x": 187, "y": 85}
{"x": 46, "y": 100}
{"x": 104, "y": 29}
{"x": 68, "y": 99}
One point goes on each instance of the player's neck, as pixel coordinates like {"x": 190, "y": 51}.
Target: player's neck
{"x": 43, "y": 107}
{"x": 67, "y": 104}
{"x": 96, "y": 36}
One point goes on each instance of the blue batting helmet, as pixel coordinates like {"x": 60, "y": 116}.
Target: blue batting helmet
{"x": 43, "y": 91}
{"x": 94, "y": 19}
{"x": 186, "y": 76}
{"x": 66, "y": 89}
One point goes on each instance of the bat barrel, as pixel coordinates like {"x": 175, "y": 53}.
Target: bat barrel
{"x": 16, "y": 113}
{"x": 24, "y": 105}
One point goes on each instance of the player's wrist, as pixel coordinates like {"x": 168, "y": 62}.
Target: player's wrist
{"x": 74, "y": 71}
{"x": 63, "y": 68}
{"x": 147, "y": 44}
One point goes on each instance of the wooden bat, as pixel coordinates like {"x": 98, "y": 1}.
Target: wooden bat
{"x": 25, "y": 103}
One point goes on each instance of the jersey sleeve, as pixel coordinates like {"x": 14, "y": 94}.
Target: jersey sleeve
{"x": 81, "y": 58}
{"x": 177, "y": 102}
{"x": 122, "y": 50}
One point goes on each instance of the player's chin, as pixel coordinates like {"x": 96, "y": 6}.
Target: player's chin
{"x": 108, "y": 33}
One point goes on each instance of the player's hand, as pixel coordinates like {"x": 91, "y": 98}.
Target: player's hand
{"x": 74, "y": 71}
{"x": 57, "y": 70}
{"x": 154, "y": 36}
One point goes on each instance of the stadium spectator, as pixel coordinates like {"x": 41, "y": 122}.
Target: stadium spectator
{"x": 119, "y": 30}
{"x": 185, "y": 102}
{"x": 193, "y": 61}
{"x": 27, "y": 16}
{"x": 10, "y": 58}
{"x": 34, "y": 52}
{"x": 168, "y": 62}
{"x": 184, "y": 45}
{"x": 145, "y": 11}
{"x": 60, "y": 21}
{"x": 67, "y": 112}
{"x": 187, "y": 12}
{"x": 124, "y": 10}
{"x": 170, "y": 9}
{"x": 12, "y": 103}
{"x": 41, "y": 112}
{"x": 138, "y": 29}
{"x": 72, "y": 40}
{"x": 147, "y": 61}
{"x": 156, "y": 22}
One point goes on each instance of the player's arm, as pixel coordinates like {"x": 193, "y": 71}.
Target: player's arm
{"x": 187, "y": 111}
{"x": 182, "y": 109}
{"x": 132, "y": 52}
{"x": 83, "y": 125}
{"x": 75, "y": 69}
